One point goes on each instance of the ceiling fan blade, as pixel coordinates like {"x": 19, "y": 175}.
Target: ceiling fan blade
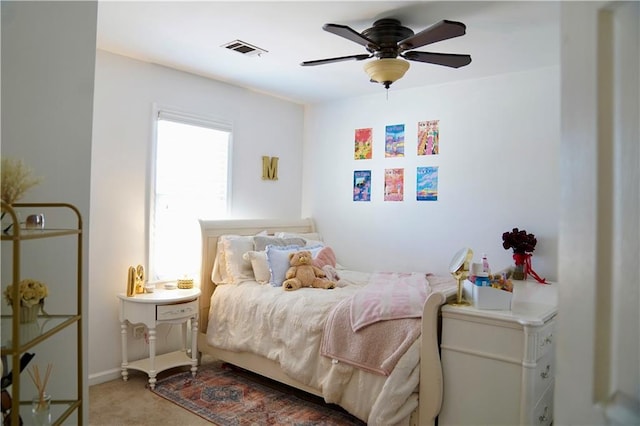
{"x": 447, "y": 59}
{"x": 350, "y": 34}
{"x": 340, "y": 59}
{"x": 443, "y": 30}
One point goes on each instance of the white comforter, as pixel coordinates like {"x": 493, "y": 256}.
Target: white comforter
{"x": 287, "y": 326}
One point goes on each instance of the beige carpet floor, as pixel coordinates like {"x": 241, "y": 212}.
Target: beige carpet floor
{"x": 131, "y": 403}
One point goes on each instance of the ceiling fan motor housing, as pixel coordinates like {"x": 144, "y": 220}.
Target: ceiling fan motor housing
{"x": 386, "y": 33}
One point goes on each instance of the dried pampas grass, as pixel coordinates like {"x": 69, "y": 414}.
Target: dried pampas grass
{"x": 17, "y": 178}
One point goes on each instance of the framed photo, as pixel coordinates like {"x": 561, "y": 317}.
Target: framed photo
{"x": 362, "y": 185}
{"x": 427, "y": 183}
{"x": 363, "y": 144}
{"x": 394, "y": 141}
{"x": 394, "y": 184}
{"x": 428, "y": 138}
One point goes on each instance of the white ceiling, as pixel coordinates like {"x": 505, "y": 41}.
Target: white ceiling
{"x": 501, "y": 37}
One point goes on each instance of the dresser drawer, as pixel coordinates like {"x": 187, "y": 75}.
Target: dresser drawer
{"x": 543, "y": 412}
{"x": 544, "y": 374}
{"x": 176, "y": 311}
{"x": 546, "y": 339}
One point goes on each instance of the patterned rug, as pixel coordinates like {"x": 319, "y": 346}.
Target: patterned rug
{"x": 227, "y": 395}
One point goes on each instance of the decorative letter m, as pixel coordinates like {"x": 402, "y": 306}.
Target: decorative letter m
{"x": 269, "y": 168}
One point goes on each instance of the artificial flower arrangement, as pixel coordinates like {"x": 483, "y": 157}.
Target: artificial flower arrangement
{"x": 522, "y": 244}
{"x": 519, "y": 241}
{"x": 17, "y": 178}
{"x": 30, "y": 291}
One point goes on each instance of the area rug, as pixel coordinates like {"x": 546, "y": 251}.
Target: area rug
{"x": 229, "y": 396}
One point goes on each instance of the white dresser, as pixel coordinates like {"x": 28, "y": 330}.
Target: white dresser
{"x": 499, "y": 366}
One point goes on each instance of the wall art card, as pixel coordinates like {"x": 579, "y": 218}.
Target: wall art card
{"x": 428, "y": 137}
{"x": 427, "y": 183}
{"x": 362, "y": 185}
{"x": 363, "y": 144}
{"x": 394, "y": 141}
{"x": 393, "y": 184}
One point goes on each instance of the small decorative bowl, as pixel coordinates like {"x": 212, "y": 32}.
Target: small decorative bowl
{"x": 185, "y": 283}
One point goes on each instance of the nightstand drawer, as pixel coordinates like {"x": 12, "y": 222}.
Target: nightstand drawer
{"x": 176, "y": 311}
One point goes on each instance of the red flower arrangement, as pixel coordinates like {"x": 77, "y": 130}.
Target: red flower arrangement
{"x": 519, "y": 241}
{"x": 523, "y": 244}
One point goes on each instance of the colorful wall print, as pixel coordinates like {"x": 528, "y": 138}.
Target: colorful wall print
{"x": 427, "y": 183}
{"x": 393, "y": 184}
{"x": 428, "y": 138}
{"x": 363, "y": 144}
{"x": 362, "y": 185}
{"x": 394, "y": 141}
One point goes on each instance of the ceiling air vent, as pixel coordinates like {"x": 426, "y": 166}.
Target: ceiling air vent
{"x": 244, "y": 48}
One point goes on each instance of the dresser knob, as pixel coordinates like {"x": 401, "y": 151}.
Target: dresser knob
{"x": 543, "y": 418}
{"x": 545, "y": 373}
{"x": 547, "y": 340}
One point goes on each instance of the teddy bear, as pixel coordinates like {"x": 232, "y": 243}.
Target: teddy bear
{"x": 303, "y": 273}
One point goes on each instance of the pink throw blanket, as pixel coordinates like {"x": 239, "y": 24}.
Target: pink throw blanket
{"x": 389, "y": 295}
{"x": 373, "y": 329}
{"x": 376, "y": 348}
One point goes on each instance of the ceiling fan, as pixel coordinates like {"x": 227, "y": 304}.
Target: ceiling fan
{"x": 388, "y": 38}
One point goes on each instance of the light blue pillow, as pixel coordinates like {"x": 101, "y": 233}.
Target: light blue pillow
{"x": 278, "y": 259}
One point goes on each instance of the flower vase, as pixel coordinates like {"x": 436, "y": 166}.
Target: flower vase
{"x": 41, "y": 410}
{"x": 29, "y": 331}
{"x": 29, "y": 314}
{"x": 519, "y": 271}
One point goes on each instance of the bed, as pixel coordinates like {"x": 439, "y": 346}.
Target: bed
{"x": 409, "y": 393}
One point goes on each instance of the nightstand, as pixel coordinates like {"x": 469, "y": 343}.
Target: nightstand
{"x": 160, "y": 307}
{"x": 498, "y": 366}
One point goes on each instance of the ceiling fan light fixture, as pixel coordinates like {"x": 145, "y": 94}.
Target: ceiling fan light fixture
{"x": 386, "y": 70}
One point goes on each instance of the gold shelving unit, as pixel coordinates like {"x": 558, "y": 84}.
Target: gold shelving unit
{"x": 14, "y": 345}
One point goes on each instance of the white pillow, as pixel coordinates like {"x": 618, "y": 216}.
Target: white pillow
{"x": 278, "y": 259}
{"x": 229, "y": 266}
{"x": 259, "y": 264}
{"x": 312, "y": 238}
{"x": 260, "y": 242}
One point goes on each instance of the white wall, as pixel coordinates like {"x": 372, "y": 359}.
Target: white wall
{"x": 125, "y": 91}
{"x": 48, "y": 51}
{"x": 498, "y": 169}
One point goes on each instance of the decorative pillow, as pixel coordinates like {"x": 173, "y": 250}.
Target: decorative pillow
{"x": 306, "y": 235}
{"x": 278, "y": 259}
{"x": 260, "y": 243}
{"x": 229, "y": 266}
{"x": 259, "y": 264}
{"x": 312, "y": 238}
{"x": 325, "y": 256}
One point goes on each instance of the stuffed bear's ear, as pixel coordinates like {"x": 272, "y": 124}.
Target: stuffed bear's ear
{"x": 291, "y": 255}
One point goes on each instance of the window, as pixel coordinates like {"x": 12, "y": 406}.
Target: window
{"x": 190, "y": 170}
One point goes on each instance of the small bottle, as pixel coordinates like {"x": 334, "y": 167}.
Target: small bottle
{"x": 485, "y": 264}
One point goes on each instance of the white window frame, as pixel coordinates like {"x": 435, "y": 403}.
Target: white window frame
{"x": 176, "y": 115}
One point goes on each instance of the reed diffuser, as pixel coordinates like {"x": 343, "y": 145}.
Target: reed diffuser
{"x": 41, "y": 404}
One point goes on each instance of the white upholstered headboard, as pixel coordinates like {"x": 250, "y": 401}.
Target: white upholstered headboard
{"x": 212, "y": 229}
